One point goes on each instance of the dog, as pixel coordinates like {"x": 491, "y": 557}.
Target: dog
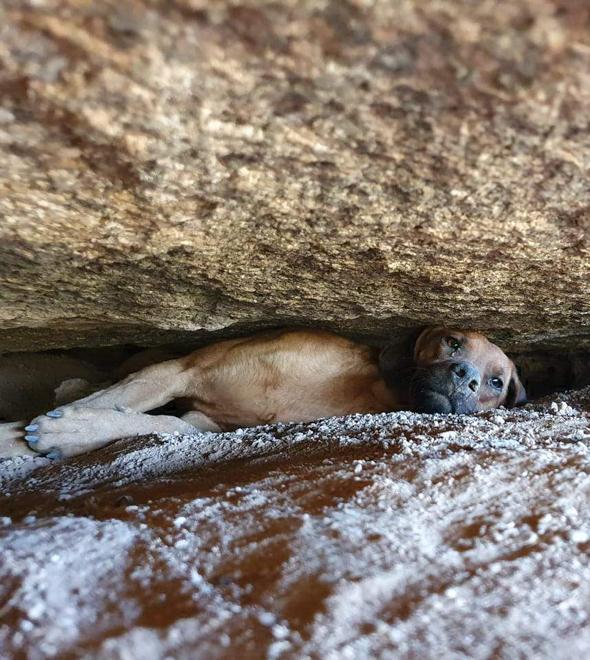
{"x": 281, "y": 376}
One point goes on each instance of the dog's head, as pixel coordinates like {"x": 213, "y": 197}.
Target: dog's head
{"x": 459, "y": 371}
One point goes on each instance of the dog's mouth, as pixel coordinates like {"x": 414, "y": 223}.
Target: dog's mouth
{"x": 441, "y": 389}
{"x": 431, "y": 401}
{"x": 429, "y": 393}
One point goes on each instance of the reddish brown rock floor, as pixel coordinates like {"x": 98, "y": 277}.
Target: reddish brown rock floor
{"x": 368, "y": 536}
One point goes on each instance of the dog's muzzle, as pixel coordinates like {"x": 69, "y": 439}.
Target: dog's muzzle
{"x": 446, "y": 387}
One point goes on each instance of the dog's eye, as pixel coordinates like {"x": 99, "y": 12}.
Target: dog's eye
{"x": 496, "y": 382}
{"x": 455, "y": 344}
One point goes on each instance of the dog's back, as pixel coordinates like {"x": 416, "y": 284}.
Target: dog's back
{"x": 291, "y": 375}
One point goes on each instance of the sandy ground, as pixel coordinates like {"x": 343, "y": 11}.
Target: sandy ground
{"x": 388, "y": 535}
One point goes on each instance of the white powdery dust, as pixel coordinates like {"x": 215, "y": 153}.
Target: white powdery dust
{"x": 154, "y": 456}
{"x": 438, "y": 537}
{"x": 67, "y": 573}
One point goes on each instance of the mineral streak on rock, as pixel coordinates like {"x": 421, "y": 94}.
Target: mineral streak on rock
{"x": 171, "y": 169}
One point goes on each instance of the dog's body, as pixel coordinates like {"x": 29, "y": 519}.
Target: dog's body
{"x": 283, "y": 376}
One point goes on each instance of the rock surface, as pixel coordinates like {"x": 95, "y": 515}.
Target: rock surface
{"x": 175, "y": 168}
{"x": 368, "y": 536}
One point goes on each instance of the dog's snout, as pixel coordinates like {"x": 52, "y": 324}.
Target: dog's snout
{"x": 466, "y": 375}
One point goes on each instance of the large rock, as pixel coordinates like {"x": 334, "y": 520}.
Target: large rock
{"x": 169, "y": 169}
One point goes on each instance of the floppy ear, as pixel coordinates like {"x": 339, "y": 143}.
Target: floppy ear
{"x": 388, "y": 358}
{"x": 516, "y": 394}
{"x": 396, "y": 362}
{"x": 423, "y": 337}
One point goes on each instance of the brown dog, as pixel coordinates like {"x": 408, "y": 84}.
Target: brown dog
{"x": 284, "y": 376}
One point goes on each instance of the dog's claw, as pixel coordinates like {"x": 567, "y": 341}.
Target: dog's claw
{"x": 54, "y": 413}
{"x": 32, "y": 427}
{"x": 32, "y": 438}
{"x": 54, "y": 454}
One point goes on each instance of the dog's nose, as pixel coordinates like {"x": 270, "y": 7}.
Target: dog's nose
{"x": 465, "y": 375}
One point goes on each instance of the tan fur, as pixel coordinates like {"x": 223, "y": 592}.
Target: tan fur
{"x": 283, "y": 376}
{"x": 489, "y": 359}
{"x": 286, "y": 376}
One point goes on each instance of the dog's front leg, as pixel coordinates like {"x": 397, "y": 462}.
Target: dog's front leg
{"x": 107, "y": 415}
{"x": 144, "y": 390}
{"x": 78, "y": 430}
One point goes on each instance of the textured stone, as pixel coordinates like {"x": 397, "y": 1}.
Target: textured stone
{"x": 172, "y": 169}
{"x": 371, "y": 536}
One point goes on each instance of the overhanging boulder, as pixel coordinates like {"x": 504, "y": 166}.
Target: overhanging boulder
{"x": 169, "y": 170}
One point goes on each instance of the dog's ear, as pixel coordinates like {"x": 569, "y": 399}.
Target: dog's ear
{"x": 390, "y": 359}
{"x": 516, "y": 394}
{"x": 396, "y": 361}
{"x": 423, "y": 336}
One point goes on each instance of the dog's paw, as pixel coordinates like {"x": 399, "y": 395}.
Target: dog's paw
{"x": 70, "y": 430}
{"x": 12, "y": 440}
